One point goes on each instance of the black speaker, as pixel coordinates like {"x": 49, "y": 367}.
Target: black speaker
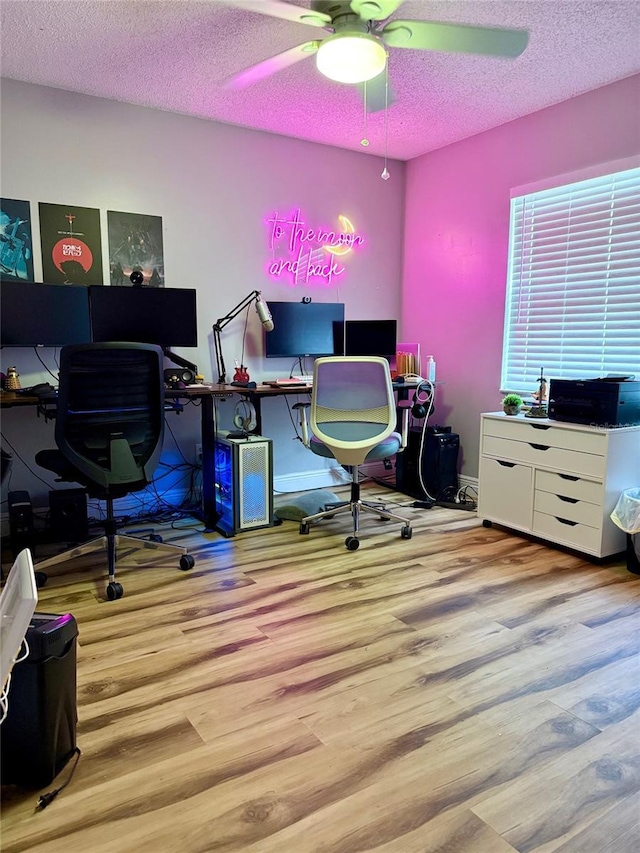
{"x": 439, "y": 463}
{"x": 68, "y": 515}
{"x": 20, "y": 521}
{"x": 178, "y": 377}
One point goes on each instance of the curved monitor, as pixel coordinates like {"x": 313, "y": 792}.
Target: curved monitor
{"x": 303, "y": 329}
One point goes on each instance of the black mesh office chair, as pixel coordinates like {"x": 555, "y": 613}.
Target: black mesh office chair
{"x": 109, "y": 432}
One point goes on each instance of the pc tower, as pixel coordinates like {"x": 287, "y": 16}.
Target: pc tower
{"x": 439, "y": 462}
{"x": 21, "y": 532}
{"x": 243, "y": 483}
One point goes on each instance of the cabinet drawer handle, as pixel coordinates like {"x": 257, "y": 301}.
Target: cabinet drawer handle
{"x": 568, "y": 500}
{"x": 569, "y": 477}
{"x": 539, "y": 446}
{"x": 566, "y": 521}
{"x": 506, "y": 464}
{"x": 541, "y": 426}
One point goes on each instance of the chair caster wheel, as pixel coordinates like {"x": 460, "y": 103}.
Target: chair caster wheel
{"x": 155, "y": 537}
{"x": 352, "y": 543}
{"x": 114, "y": 591}
{"x": 41, "y": 579}
{"x": 304, "y": 529}
{"x": 187, "y": 562}
{"x": 406, "y": 532}
{"x": 486, "y": 522}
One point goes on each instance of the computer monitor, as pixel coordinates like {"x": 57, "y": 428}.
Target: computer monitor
{"x": 305, "y": 329}
{"x": 370, "y": 337}
{"x": 49, "y": 315}
{"x": 165, "y": 316}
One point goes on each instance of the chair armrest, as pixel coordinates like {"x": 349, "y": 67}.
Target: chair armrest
{"x": 302, "y": 420}
{"x": 404, "y": 430}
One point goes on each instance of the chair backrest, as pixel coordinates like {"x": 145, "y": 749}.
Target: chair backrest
{"x": 352, "y": 405}
{"x": 110, "y": 413}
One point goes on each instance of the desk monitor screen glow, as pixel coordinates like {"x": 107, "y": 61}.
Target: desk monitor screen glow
{"x": 370, "y": 337}
{"x": 49, "y": 315}
{"x": 165, "y": 316}
{"x": 305, "y": 329}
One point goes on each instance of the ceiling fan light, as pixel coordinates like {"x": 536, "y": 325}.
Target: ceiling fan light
{"x": 351, "y": 57}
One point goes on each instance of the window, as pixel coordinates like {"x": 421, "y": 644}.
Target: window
{"x": 573, "y": 282}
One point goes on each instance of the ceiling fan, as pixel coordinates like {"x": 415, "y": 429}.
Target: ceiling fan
{"x": 355, "y": 51}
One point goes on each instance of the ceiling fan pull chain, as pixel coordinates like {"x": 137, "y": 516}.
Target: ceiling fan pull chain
{"x": 385, "y": 172}
{"x": 365, "y": 139}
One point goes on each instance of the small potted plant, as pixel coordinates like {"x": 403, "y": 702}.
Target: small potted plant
{"x": 511, "y": 404}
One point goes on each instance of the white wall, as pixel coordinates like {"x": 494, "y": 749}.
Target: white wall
{"x": 457, "y": 235}
{"x": 214, "y": 186}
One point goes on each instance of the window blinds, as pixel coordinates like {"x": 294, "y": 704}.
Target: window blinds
{"x": 573, "y": 282}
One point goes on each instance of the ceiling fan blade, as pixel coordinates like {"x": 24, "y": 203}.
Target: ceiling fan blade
{"x": 375, "y": 10}
{"x": 455, "y": 38}
{"x": 374, "y": 95}
{"x": 270, "y": 66}
{"x": 279, "y": 9}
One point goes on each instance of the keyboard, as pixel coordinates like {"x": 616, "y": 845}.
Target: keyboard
{"x": 285, "y": 383}
{"x": 307, "y": 378}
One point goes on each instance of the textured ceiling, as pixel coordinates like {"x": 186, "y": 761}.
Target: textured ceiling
{"x": 175, "y": 56}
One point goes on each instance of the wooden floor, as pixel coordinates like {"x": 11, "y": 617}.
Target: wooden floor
{"x": 465, "y": 691}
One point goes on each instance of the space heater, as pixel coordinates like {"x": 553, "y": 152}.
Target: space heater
{"x": 244, "y": 483}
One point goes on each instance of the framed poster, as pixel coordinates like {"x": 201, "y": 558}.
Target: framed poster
{"x": 135, "y": 243}
{"x": 16, "y": 247}
{"x": 71, "y": 244}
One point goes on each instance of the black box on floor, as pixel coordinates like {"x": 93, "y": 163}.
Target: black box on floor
{"x": 38, "y": 735}
{"x": 68, "y": 515}
{"x": 21, "y": 533}
{"x": 439, "y": 463}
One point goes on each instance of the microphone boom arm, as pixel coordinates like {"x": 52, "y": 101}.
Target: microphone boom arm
{"x": 219, "y": 325}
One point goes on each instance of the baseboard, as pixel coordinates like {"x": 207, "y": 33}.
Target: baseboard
{"x": 464, "y": 481}
{"x": 304, "y": 481}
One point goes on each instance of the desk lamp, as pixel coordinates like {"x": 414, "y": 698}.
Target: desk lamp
{"x": 263, "y": 313}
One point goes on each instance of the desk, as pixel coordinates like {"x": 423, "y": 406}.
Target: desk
{"x": 206, "y": 395}
{"x": 8, "y": 399}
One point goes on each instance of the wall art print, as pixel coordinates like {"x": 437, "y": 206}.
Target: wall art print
{"x": 71, "y": 244}
{"x": 135, "y": 243}
{"x": 16, "y": 246}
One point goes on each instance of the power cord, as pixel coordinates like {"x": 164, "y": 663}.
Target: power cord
{"x": 50, "y": 796}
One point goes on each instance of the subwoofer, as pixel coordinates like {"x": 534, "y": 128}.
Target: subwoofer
{"x": 438, "y": 464}
{"x": 68, "y": 515}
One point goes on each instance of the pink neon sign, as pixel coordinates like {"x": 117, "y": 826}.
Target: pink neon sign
{"x": 308, "y": 254}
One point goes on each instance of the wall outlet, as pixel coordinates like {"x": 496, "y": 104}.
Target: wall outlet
{"x": 198, "y": 454}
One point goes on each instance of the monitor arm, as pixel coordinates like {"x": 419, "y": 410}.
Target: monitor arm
{"x": 179, "y": 360}
{"x": 219, "y": 325}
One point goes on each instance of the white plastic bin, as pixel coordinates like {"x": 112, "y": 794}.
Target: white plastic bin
{"x": 626, "y": 515}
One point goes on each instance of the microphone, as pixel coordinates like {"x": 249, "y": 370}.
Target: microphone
{"x": 265, "y": 316}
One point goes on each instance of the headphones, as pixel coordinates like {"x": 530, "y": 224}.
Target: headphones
{"x": 177, "y": 378}
{"x": 421, "y": 396}
{"x": 244, "y": 416}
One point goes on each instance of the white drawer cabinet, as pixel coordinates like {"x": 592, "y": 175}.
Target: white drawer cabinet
{"x": 556, "y": 480}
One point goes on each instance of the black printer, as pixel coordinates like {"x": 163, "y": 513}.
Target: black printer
{"x": 606, "y": 402}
